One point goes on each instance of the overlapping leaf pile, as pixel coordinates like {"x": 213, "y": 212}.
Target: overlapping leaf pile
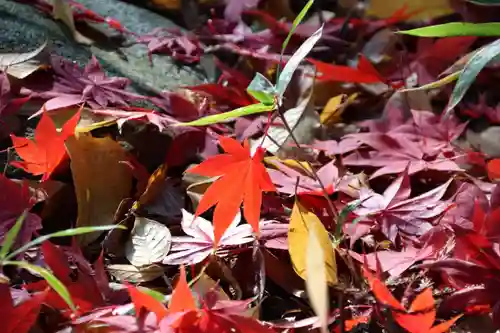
{"x": 330, "y": 172}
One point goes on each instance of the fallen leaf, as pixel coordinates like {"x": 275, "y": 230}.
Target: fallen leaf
{"x": 61, "y": 10}
{"x": 131, "y": 273}
{"x": 243, "y": 178}
{"x": 316, "y": 283}
{"x": 101, "y": 180}
{"x": 42, "y": 155}
{"x": 142, "y": 300}
{"x": 301, "y": 221}
{"x": 149, "y": 242}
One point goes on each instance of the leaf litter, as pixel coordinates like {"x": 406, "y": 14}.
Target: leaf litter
{"x": 327, "y": 180}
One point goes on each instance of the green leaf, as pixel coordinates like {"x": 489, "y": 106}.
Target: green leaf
{"x": 262, "y": 89}
{"x": 294, "y": 62}
{"x": 472, "y": 68}
{"x": 153, "y": 293}
{"x": 456, "y": 29}
{"x": 436, "y": 84}
{"x": 295, "y": 23}
{"x": 485, "y": 2}
{"x": 11, "y": 236}
{"x": 63, "y": 233}
{"x": 54, "y": 282}
{"x": 221, "y": 117}
{"x": 343, "y": 216}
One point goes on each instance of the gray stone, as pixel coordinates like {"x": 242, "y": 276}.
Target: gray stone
{"x": 23, "y": 28}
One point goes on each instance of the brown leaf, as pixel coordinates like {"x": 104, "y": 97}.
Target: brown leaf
{"x": 101, "y": 180}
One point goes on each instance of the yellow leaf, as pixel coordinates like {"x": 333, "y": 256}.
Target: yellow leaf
{"x": 301, "y": 222}
{"x": 316, "y": 284}
{"x": 101, "y": 180}
{"x": 429, "y": 8}
{"x": 335, "y": 107}
{"x": 331, "y": 112}
{"x": 300, "y": 165}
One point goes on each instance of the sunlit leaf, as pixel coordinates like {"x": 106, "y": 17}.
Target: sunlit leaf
{"x": 63, "y": 233}
{"x": 53, "y": 282}
{"x": 454, "y": 29}
{"x": 301, "y": 222}
{"x": 316, "y": 284}
{"x": 475, "y": 64}
{"x": 262, "y": 89}
{"x": 230, "y": 115}
{"x": 436, "y": 84}
{"x": 10, "y": 238}
{"x": 294, "y": 62}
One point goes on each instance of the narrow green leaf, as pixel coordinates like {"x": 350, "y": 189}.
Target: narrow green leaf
{"x": 153, "y": 293}
{"x": 11, "y": 236}
{"x": 436, "y": 84}
{"x": 54, "y": 282}
{"x": 454, "y": 29}
{"x": 295, "y": 23}
{"x": 221, "y": 117}
{"x": 472, "y": 68}
{"x": 63, "y": 233}
{"x": 262, "y": 89}
{"x": 294, "y": 62}
{"x": 485, "y": 2}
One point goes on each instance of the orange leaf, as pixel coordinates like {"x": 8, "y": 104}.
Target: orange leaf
{"x": 243, "y": 178}
{"x": 415, "y": 322}
{"x": 42, "y": 155}
{"x": 382, "y": 294}
{"x": 148, "y": 302}
{"x": 182, "y": 299}
{"x": 363, "y": 74}
{"x": 493, "y": 168}
{"x": 444, "y": 327}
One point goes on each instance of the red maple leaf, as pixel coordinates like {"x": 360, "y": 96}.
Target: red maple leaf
{"x": 20, "y": 318}
{"x": 243, "y": 178}
{"x": 81, "y": 282}
{"x": 42, "y": 155}
{"x": 184, "y": 316}
{"x": 421, "y": 315}
{"x": 394, "y": 211}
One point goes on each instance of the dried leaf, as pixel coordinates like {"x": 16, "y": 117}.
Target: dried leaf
{"x": 61, "y": 10}
{"x": 101, "y": 180}
{"x": 134, "y": 274}
{"x": 149, "y": 242}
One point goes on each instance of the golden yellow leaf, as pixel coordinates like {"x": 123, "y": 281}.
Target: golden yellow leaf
{"x": 334, "y": 108}
{"x": 332, "y": 111}
{"x": 299, "y": 165}
{"x": 101, "y": 180}
{"x": 316, "y": 285}
{"x": 301, "y": 222}
{"x": 429, "y": 8}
